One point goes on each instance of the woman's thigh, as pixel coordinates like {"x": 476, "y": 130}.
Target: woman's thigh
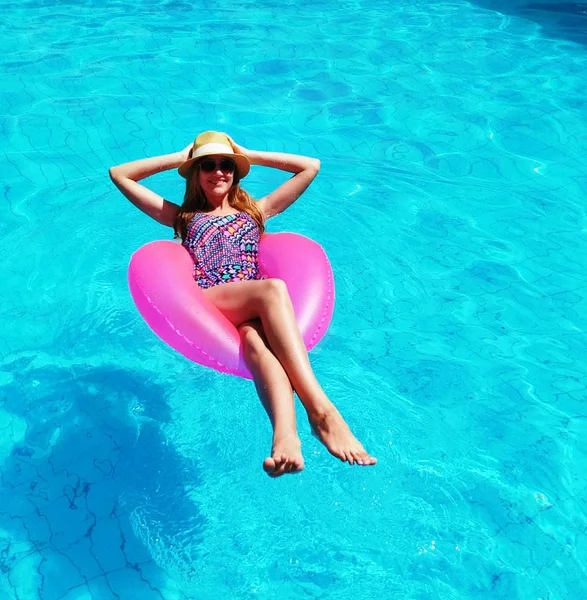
{"x": 242, "y": 301}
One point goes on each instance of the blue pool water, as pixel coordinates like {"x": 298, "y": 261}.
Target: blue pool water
{"x": 451, "y": 203}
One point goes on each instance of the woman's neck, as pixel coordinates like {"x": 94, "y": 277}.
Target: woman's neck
{"x": 223, "y": 207}
{"x": 220, "y": 204}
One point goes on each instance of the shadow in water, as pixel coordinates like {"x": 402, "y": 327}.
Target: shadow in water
{"x": 565, "y": 20}
{"x": 91, "y": 492}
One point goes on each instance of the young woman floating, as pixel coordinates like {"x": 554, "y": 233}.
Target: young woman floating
{"x": 259, "y": 308}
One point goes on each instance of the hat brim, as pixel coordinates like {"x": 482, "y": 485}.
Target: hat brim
{"x": 243, "y": 166}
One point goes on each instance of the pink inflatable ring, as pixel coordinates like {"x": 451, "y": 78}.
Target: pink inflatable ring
{"x": 160, "y": 277}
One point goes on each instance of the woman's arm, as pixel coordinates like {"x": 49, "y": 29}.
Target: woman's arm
{"x": 303, "y": 167}
{"x": 126, "y": 176}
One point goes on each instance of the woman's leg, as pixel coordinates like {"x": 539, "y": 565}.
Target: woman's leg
{"x": 276, "y": 394}
{"x": 268, "y": 300}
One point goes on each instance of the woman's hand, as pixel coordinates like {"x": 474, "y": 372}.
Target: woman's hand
{"x": 186, "y": 152}
{"x": 238, "y": 149}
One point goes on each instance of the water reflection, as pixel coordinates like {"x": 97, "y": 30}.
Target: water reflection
{"x": 566, "y": 20}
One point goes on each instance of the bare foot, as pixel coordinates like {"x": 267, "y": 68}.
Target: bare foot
{"x": 286, "y": 457}
{"x": 331, "y": 429}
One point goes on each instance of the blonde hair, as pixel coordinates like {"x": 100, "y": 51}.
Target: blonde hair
{"x": 194, "y": 201}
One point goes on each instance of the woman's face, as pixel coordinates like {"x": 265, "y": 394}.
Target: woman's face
{"x": 216, "y": 175}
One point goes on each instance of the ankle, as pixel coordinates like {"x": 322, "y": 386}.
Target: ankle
{"x": 285, "y": 433}
{"x": 321, "y": 412}
{"x": 316, "y": 403}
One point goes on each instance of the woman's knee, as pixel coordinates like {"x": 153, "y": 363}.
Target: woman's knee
{"x": 275, "y": 291}
{"x": 252, "y": 339}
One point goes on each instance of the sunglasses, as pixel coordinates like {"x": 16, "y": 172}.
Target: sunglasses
{"x": 226, "y": 165}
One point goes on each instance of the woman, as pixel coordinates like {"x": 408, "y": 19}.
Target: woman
{"x": 260, "y": 308}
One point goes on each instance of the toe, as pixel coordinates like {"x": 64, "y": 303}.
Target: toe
{"x": 280, "y": 461}
{"x": 279, "y": 471}
{"x": 299, "y": 464}
{"x": 339, "y": 454}
{"x": 367, "y": 459}
{"x": 269, "y": 465}
{"x": 344, "y": 456}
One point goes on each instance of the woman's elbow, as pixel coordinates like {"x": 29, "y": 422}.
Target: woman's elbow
{"x": 315, "y": 164}
{"x": 113, "y": 173}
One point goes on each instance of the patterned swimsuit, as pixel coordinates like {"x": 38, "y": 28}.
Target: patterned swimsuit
{"x": 223, "y": 248}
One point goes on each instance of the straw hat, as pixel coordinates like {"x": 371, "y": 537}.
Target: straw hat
{"x": 215, "y": 143}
